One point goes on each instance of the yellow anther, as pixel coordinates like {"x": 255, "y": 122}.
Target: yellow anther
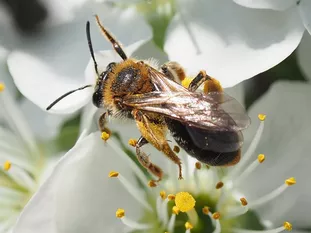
{"x": 288, "y": 226}
{"x": 105, "y": 136}
{"x": 132, "y": 142}
{"x": 198, "y": 165}
{"x": 205, "y": 210}
{"x": 163, "y": 194}
{"x": 120, "y": 213}
{"x": 176, "y": 149}
{"x": 219, "y": 185}
{"x": 175, "y": 210}
{"x": 184, "y": 201}
{"x": 185, "y": 83}
{"x": 113, "y": 174}
{"x": 261, "y": 117}
{"x": 188, "y": 225}
{"x": 243, "y": 201}
{"x": 2, "y": 86}
{"x": 171, "y": 197}
{"x": 261, "y": 158}
{"x": 152, "y": 184}
{"x": 216, "y": 215}
{"x": 290, "y": 181}
{"x": 7, "y": 165}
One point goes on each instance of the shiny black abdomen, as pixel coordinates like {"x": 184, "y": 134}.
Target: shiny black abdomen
{"x": 218, "y": 148}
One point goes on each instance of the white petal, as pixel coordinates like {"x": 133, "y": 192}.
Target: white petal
{"x": 304, "y": 55}
{"x": 286, "y": 146}
{"x": 305, "y": 12}
{"x": 54, "y": 64}
{"x": 231, "y": 42}
{"x": 266, "y": 4}
{"x": 79, "y": 196}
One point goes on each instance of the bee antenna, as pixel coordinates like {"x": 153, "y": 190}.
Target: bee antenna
{"x": 89, "y": 41}
{"x": 117, "y": 47}
{"x": 66, "y": 94}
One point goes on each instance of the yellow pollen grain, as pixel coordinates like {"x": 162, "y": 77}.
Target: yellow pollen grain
{"x": 171, "y": 197}
{"x": 188, "y": 226}
{"x": 261, "y": 158}
{"x": 261, "y": 117}
{"x": 176, "y": 149}
{"x": 216, "y": 215}
{"x": 290, "y": 181}
{"x": 163, "y": 194}
{"x": 7, "y": 165}
{"x": 175, "y": 210}
{"x": 132, "y": 142}
{"x": 113, "y": 174}
{"x": 288, "y": 226}
{"x": 186, "y": 82}
{"x": 2, "y": 86}
{"x": 243, "y": 201}
{"x": 198, "y": 165}
{"x": 184, "y": 201}
{"x": 105, "y": 136}
{"x": 219, "y": 185}
{"x": 152, "y": 184}
{"x": 205, "y": 210}
{"x": 120, "y": 213}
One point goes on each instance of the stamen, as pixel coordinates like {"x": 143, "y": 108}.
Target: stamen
{"x": 7, "y": 164}
{"x": 260, "y": 159}
{"x": 105, "y": 136}
{"x": 134, "y": 191}
{"x": 120, "y": 213}
{"x": 152, "y": 184}
{"x": 176, "y": 149}
{"x": 2, "y": 86}
{"x": 184, "y": 201}
{"x": 171, "y": 197}
{"x": 286, "y": 227}
{"x": 243, "y": 201}
{"x": 171, "y": 223}
{"x": 289, "y": 182}
{"x": 219, "y": 185}
{"x": 132, "y": 142}
{"x": 205, "y": 210}
{"x": 175, "y": 210}
{"x": 198, "y": 165}
{"x": 216, "y": 215}
{"x": 164, "y": 213}
{"x": 163, "y": 195}
{"x": 251, "y": 149}
{"x": 188, "y": 227}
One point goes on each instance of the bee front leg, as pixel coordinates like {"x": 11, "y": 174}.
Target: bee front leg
{"x": 210, "y": 84}
{"x": 102, "y": 122}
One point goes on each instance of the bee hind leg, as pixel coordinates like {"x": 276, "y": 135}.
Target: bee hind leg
{"x": 102, "y": 121}
{"x": 210, "y": 84}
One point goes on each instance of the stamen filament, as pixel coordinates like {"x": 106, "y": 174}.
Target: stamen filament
{"x": 171, "y": 223}
{"x": 235, "y": 212}
{"x": 164, "y": 213}
{"x": 193, "y": 216}
{"x": 276, "y": 230}
{"x": 135, "y": 225}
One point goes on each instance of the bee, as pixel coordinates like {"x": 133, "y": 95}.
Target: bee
{"x": 207, "y": 125}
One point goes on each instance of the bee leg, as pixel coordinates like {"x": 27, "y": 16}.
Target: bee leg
{"x": 102, "y": 123}
{"x": 145, "y": 161}
{"x": 210, "y": 84}
{"x": 154, "y": 132}
{"x": 173, "y": 71}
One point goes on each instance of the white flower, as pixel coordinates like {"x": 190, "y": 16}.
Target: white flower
{"x": 55, "y": 64}
{"x": 79, "y": 196}
{"x": 231, "y": 42}
{"x": 24, "y": 160}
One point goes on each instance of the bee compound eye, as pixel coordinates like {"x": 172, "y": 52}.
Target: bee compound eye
{"x": 97, "y": 99}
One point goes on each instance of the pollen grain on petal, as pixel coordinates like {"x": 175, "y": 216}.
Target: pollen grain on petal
{"x": 262, "y": 117}
{"x": 105, "y": 136}
{"x": 198, "y": 165}
{"x": 120, "y": 213}
{"x": 219, "y": 185}
{"x": 152, "y": 184}
{"x": 132, "y": 142}
{"x": 216, "y": 215}
{"x": 188, "y": 225}
{"x": 113, "y": 174}
{"x": 261, "y": 158}
{"x": 163, "y": 194}
{"x": 243, "y": 201}
{"x": 2, "y": 86}
{"x": 7, "y": 165}
{"x": 176, "y": 149}
{"x": 290, "y": 181}
{"x": 184, "y": 201}
{"x": 205, "y": 210}
{"x": 186, "y": 82}
{"x": 288, "y": 226}
{"x": 175, "y": 210}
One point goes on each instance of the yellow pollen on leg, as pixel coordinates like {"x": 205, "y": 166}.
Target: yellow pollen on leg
{"x": 290, "y": 181}
{"x": 171, "y": 197}
{"x": 120, "y": 213}
{"x": 113, "y": 174}
{"x": 105, "y": 136}
{"x": 2, "y": 86}
{"x": 243, "y": 201}
{"x": 188, "y": 226}
{"x": 186, "y": 82}
{"x": 205, "y": 210}
{"x": 7, "y": 165}
{"x": 198, "y": 165}
{"x": 261, "y": 158}
{"x": 184, "y": 201}
{"x": 261, "y": 117}
{"x": 216, "y": 215}
{"x": 219, "y": 185}
{"x": 152, "y": 184}
{"x": 163, "y": 194}
{"x": 288, "y": 226}
{"x": 176, "y": 149}
{"x": 132, "y": 142}
{"x": 175, "y": 210}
